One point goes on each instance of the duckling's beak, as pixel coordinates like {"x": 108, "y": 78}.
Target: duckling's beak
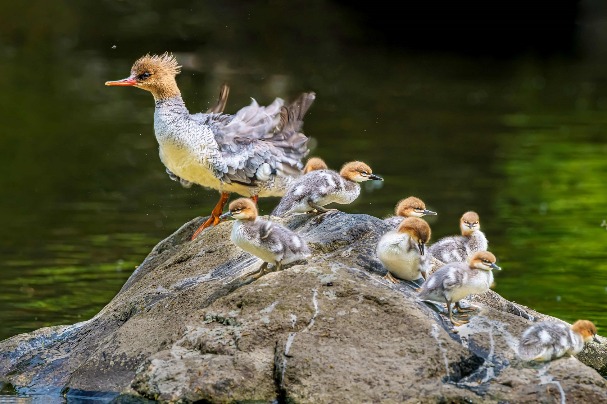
{"x": 421, "y": 248}
{"x": 429, "y": 212}
{"x": 493, "y": 266}
{"x": 470, "y": 225}
{"x": 595, "y": 339}
{"x": 375, "y": 177}
{"x": 226, "y": 215}
{"x": 129, "y": 81}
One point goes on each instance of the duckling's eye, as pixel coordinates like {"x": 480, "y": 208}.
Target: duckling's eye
{"x": 475, "y": 222}
{"x": 467, "y": 222}
{"x": 364, "y": 173}
{"x": 236, "y": 210}
{"x": 485, "y": 261}
{"x": 144, "y": 76}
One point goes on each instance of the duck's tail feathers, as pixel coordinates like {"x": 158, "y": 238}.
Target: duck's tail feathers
{"x": 291, "y": 117}
{"x": 288, "y": 136}
{"x": 222, "y": 100}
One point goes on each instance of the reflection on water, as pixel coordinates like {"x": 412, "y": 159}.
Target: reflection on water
{"x": 85, "y": 197}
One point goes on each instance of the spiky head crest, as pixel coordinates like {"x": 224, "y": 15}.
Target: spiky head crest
{"x": 154, "y": 64}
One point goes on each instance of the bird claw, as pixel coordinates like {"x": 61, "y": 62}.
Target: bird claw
{"x": 391, "y": 278}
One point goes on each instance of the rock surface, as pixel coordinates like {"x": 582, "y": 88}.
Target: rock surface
{"x": 187, "y": 326}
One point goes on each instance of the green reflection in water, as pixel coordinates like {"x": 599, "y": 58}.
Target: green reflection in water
{"x": 552, "y": 206}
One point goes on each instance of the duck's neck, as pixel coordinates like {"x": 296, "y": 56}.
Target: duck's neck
{"x": 170, "y": 118}
{"x": 351, "y": 186}
{"x": 171, "y": 105}
{"x": 167, "y": 90}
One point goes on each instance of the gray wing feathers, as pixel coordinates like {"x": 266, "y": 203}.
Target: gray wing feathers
{"x": 449, "y": 249}
{"x": 308, "y": 187}
{"x": 258, "y": 135}
{"x": 285, "y": 243}
{"x": 540, "y": 337}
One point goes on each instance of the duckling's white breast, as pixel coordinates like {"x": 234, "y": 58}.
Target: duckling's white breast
{"x": 398, "y": 257}
{"x": 473, "y": 283}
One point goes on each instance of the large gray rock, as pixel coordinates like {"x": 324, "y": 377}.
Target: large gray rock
{"x": 187, "y": 326}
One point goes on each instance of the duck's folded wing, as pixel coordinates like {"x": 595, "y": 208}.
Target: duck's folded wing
{"x": 260, "y": 142}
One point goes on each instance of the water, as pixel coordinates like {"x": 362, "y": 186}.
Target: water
{"x": 521, "y": 140}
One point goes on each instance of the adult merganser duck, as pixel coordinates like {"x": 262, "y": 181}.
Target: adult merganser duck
{"x": 459, "y": 248}
{"x": 457, "y": 280}
{"x": 256, "y": 152}
{"x": 402, "y": 251}
{"x": 550, "y": 340}
{"x": 272, "y": 242}
{"x": 321, "y": 187}
{"x": 408, "y": 207}
{"x": 313, "y": 164}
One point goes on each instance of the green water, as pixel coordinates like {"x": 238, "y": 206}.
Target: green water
{"x": 521, "y": 140}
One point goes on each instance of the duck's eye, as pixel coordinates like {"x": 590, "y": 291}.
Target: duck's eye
{"x": 236, "y": 210}
{"x": 466, "y": 222}
{"x": 144, "y": 76}
{"x": 364, "y": 173}
{"x": 485, "y": 261}
{"x": 475, "y": 222}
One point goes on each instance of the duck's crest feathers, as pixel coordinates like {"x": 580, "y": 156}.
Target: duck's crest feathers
{"x": 166, "y": 61}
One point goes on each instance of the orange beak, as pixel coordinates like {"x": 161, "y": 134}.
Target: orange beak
{"x": 129, "y": 81}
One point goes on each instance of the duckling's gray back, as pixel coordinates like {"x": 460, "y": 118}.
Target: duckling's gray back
{"x": 314, "y": 186}
{"x": 393, "y": 221}
{"x": 548, "y": 340}
{"x": 458, "y": 248}
{"x": 438, "y": 285}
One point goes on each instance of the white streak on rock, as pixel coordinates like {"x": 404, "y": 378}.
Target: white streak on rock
{"x": 435, "y": 334}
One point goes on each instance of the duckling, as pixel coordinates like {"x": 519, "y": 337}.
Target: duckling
{"x": 459, "y": 248}
{"x": 457, "y": 280}
{"x": 256, "y": 152}
{"x": 271, "y": 242}
{"x": 313, "y": 164}
{"x": 550, "y": 340}
{"x": 408, "y": 207}
{"x": 402, "y": 251}
{"x": 321, "y": 187}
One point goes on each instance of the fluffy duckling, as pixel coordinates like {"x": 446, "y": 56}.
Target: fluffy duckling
{"x": 271, "y": 242}
{"x": 256, "y": 152}
{"x": 457, "y": 280}
{"x": 321, "y": 187}
{"x": 550, "y": 340}
{"x": 459, "y": 248}
{"x": 402, "y": 251}
{"x": 313, "y": 164}
{"x": 408, "y": 207}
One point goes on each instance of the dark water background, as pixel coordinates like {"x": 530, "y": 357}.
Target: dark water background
{"x": 515, "y": 129}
